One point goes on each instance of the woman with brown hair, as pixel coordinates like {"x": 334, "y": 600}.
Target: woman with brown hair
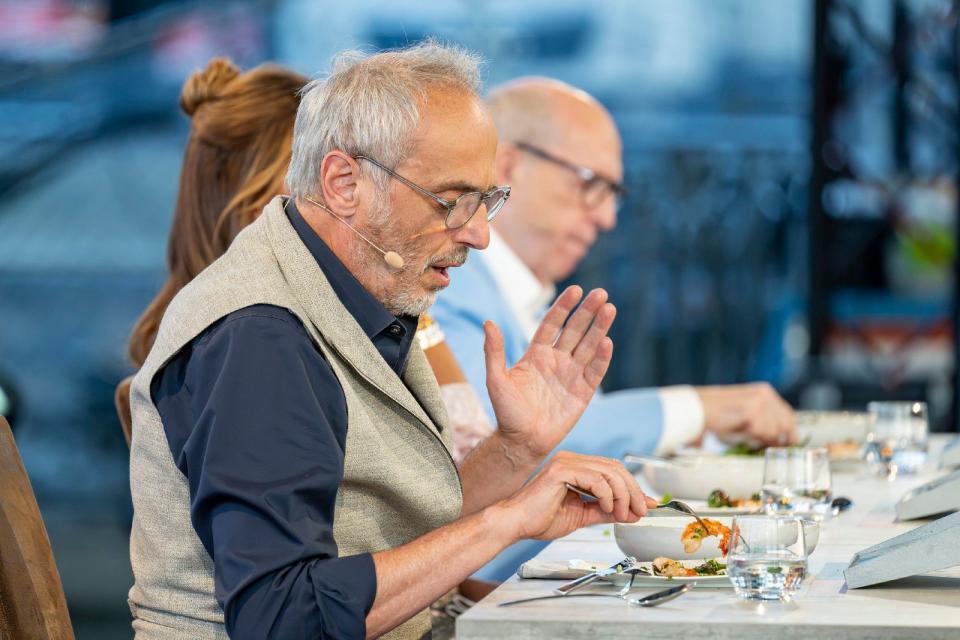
{"x": 234, "y": 163}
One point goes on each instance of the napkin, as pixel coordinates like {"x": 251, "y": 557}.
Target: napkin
{"x": 549, "y": 570}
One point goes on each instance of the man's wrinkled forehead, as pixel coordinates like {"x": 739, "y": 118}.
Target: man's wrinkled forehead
{"x": 455, "y": 142}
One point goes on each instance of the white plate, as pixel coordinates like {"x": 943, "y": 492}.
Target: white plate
{"x": 695, "y": 477}
{"x": 644, "y": 580}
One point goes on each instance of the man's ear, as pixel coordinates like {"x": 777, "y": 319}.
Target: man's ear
{"x": 339, "y": 180}
{"x": 505, "y": 163}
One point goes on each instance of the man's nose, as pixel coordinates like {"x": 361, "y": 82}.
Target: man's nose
{"x": 604, "y": 215}
{"x": 476, "y": 233}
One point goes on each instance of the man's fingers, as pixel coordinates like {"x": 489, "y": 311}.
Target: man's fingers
{"x": 616, "y": 489}
{"x": 634, "y": 497}
{"x": 597, "y": 368}
{"x": 791, "y": 419}
{"x": 596, "y": 515}
{"x": 587, "y": 348}
{"x": 558, "y": 313}
{"x": 493, "y": 353}
{"x": 580, "y": 321}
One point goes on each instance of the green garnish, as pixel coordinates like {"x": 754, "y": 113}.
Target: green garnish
{"x": 711, "y": 568}
{"x": 745, "y": 449}
{"x": 666, "y": 498}
{"x": 717, "y": 499}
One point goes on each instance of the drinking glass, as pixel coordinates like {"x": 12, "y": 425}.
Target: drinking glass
{"x": 897, "y": 440}
{"x": 796, "y": 481}
{"x": 768, "y": 557}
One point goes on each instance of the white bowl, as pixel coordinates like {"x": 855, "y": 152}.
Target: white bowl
{"x": 651, "y": 538}
{"x": 821, "y": 428}
{"x": 694, "y": 477}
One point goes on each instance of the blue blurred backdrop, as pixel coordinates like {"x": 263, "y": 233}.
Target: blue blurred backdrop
{"x": 792, "y": 170}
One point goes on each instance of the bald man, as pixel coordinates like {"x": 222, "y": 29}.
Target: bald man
{"x": 561, "y": 151}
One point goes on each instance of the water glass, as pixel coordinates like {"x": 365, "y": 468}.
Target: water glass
{"x": 768, "y": 557}
{"x": 796, "y": 481}
{"x": 897, "y": 440}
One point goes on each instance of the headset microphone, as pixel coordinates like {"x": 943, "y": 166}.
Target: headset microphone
{"x": 392, "y": 258}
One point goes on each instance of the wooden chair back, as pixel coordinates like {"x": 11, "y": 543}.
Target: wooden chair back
{"x": 32, "y": 604}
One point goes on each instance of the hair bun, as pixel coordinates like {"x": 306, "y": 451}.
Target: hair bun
{"x": 207, "y": 84}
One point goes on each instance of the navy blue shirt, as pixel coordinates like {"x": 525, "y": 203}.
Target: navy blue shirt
{"x": 256, "y": 420}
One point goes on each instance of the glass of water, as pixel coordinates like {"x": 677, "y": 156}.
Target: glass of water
{"x": 796, "y": 481}
{"x": 768, "y": 557}
{"x": 897, "y": 440}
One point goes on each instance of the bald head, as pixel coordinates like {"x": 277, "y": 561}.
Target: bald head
{"x": 548, "y": 222}
{"x": 535, "y": 109}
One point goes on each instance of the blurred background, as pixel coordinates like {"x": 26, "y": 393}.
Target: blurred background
{"x": 792, "y": 216}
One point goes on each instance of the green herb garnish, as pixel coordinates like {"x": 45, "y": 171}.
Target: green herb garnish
{"x": 666, "y": 498}
{"x": 711, "y": 568}
{"x": 717, "y": 499}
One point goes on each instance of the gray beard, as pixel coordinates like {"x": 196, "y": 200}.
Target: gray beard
{"x": 404, "y": 305}
{"x": 402, "y": 294}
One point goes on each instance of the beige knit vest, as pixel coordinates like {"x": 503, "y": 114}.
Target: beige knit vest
{"x": 399, "y": 479}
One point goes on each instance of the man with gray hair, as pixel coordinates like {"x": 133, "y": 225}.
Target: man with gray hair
{"x": 561, "y": 151}
{"x": 290, "y": 463}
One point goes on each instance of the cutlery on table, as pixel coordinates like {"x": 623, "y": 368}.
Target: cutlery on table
{"x": 583, "y": 581}
{"x": 652, "y": 600}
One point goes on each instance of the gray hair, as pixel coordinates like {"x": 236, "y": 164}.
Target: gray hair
{"x": 370, "y": 105}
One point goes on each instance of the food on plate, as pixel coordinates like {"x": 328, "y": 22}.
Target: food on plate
{"x": 843, "y": 450}
{"x": 692, "y": 537}
{"x": 718, "y": 498}
{"x": 670, "y": 568}
{"x": 744, "y": 449}
{"x": 748, "y": 449}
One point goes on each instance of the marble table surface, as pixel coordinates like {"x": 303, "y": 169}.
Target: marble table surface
{"x": 926, "y": 606}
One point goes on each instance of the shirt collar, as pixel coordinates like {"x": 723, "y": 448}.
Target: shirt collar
{"x": 526, "y": 296}
{"x": 369, "y": 312}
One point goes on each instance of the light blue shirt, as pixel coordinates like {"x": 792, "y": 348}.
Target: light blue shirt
{"x": 614, "y": 423}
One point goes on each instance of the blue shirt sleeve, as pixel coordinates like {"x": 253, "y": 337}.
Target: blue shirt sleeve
{"x": 256, "y": 420}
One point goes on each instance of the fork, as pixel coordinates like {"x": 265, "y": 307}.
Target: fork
{"x": 589, "y": 578}
{"x": 675, "y": 505}
{"x": 683, "y": 507}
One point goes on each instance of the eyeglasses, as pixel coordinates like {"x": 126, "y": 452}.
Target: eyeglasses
{"x": 463, "y": 208}
{"x": 594, "y": 188}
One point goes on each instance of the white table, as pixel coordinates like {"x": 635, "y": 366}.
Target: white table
{"x": 925, "y": 606}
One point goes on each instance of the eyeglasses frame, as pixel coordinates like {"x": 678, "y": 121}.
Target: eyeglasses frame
{"x": 449, "y": 205}
{"x": 586, "y": 174}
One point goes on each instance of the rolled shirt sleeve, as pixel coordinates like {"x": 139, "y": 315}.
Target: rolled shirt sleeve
{"x": 256, "y": 420}
{"x": 683, "y": 418}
